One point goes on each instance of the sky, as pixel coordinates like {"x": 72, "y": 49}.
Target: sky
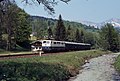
{"x": 78, "y": 10}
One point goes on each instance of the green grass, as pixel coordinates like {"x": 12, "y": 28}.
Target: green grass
{"x": 48, "y": 68}
{"x": 3, "y": 51}
{"x": 17, "y": 50}
{"x": 69, "y": 58}
{"x": 117, "y": 64}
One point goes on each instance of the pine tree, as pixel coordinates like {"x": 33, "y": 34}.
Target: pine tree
{"x": 82, "y": 37}
{"x": 60, "y": 30}
{"x": 50, "y": 33}
{"x": 77, "y": 36}
{"x": 109, "y": 39}
{"x": 68, "y": 34}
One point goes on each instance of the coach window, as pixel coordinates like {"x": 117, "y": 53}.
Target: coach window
{"x": 58, "y": 42}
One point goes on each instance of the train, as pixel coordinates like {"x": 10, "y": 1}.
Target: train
{"x": 58, "y": 46}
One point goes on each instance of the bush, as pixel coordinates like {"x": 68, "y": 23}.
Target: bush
{"x": 13, "y": 71}
{"x": 117, "y": 64}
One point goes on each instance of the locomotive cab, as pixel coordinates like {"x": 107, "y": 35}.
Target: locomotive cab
{"x": 53, "y": 45}
{"x": 36, "y": 46}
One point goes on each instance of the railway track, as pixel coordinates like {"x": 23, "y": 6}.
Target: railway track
{"x": 15, "y": 55}
{"x": 7, "y": 56}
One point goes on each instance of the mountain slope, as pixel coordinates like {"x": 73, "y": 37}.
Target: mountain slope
{"x": 113, "y": 21}
{"x": 52, "y": 23}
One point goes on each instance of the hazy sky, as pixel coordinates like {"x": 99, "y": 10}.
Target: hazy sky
{"x": 79, "y": 10}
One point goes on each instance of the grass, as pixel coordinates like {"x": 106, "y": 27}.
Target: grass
{"x": 17, "y": 50}
{"x": 4, "y": 52}
{"x": 117, "y": 64}
{"x": 48, "y": 68}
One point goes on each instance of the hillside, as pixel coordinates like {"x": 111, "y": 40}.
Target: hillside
{"x": 114, "y": 21}
{"x": 43, "y": 23}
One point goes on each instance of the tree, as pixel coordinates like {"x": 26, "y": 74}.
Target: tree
{"x": 50, "y": 33}
{"x": 23, "y": 30}
{"x": 39, "y": 28}
{"x": 9, "y": 19}
{"x": 109, "y": 39}
{"x": 89, "y": 37}
{"x": 69, "y": 36}
{"x": 14, "y": 25}
{"x": 48, "y": 4}
{"x": 77, "y": 35}
{"x": 1, "y": 24}
{"x": 60, "y": 30}
{"x": 82, "y": 36}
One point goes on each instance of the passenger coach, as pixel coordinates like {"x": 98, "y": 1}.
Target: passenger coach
{"x": 69, "y": 46}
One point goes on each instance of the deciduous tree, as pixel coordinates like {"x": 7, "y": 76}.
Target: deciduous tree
{"x": 14, "y": 25}
{"x": 23, "y": 30}
{"x": 48, "y": 4}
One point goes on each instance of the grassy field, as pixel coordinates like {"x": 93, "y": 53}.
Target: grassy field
{"x": 5, "y": 53}
{"x": 46, "y": 68}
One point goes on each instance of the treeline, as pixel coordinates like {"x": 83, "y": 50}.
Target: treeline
{"x": 41, "y": 24}
{"x": 14, "y": 25}
{"x": 70, "y": 33}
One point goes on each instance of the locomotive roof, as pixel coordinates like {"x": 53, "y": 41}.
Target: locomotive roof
{"x": 68, "y": 42}
{"x": 53, "y": 40}
{"x": 76, "y": 43}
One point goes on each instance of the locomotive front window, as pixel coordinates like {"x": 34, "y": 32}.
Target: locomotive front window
{"x": 33, "y": 47}
{"x": 44, "y": 41}
{"x": 54, "y": 42}
{"x": 47, "y": 42}
{"x": 58, "y": 42}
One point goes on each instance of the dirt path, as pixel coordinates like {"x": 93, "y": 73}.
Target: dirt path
{"x": 99, "y": 69}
